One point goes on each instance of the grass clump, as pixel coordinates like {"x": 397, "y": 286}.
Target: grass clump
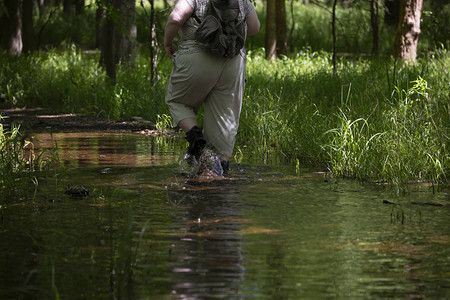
{"x": 21, "y": 166}
{"x": 373, "y": 120}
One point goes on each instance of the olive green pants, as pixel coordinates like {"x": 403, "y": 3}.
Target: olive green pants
{"x": 218, "y": 83}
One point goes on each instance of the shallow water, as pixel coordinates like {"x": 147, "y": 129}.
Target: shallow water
{"x": 146, "y": 232}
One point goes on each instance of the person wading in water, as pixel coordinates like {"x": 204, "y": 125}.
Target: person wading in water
{"x": 208, "y": 68}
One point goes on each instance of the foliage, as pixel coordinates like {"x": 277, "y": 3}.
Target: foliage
{"x": 20, "y": 165}
{"x": 72, "y": 81}
{"x": 373, "y": 120}
{"x": 312, "y": 27}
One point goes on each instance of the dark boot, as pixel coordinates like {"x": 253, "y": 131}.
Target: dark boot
{"x": 225, "y": 166}
{"x": 196, "y": 141}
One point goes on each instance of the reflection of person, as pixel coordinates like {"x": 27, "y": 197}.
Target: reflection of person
{"x": 207, "y": 247}
{"x": 198, "y": 77}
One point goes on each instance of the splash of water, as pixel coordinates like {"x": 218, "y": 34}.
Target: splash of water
{"x": 208, "y": 164}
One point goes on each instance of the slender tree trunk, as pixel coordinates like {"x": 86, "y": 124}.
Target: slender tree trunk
{"x": 291, "y": 31}
{"x": 27, "y": 25}
{"x": 125, "y": 30}
{"x": 41, "y": 29}
{"x": 119, "y": 35}
{"x": 333, "y": 29}
{"x": 374, "y": 24}
{"x": 408, "y": 31}
{"x": 271, "y": 34}
{"x": 281, "y": 42}
{"x": 108, "y": 44}
{"x": 100, "y": 21}
{"x": 153, "y": 43}
{"x": 11, "y": 35}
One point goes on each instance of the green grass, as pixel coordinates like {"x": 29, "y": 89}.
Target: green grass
{"x": 375, "y": 120}
{"x": 21, "y": 166}
{"x": 72, "y": 81}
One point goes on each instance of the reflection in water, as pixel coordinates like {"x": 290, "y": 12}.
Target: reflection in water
{"x": 208, "y": 246}
{"x": 146, "y": 232}
{"x": 127, "y": 149}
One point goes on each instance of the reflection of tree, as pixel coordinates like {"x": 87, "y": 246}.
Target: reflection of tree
{"x": 208, "y": 249}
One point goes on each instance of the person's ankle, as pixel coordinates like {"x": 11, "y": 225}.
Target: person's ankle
{"x": 196, "y": 141}
{"x": 225, "y": 166}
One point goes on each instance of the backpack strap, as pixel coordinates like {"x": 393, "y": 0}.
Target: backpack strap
{"x": 196, "y": 18}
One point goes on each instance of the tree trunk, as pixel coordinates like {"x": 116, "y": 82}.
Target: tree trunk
{"x": 271, "y": 34}
{"x": 408, "y": 31}
{"x": 118, "y": 42}
{"x": 374, "y": 24}
{"x": 11, "y": 35}
{"x": 153, "y": 43}
{"x": 281, "y": 32}
{"x": 291, "y": 31}
{"x": 108, "y": 51}
{"x": 100, "y": 20}
{"x": 392, "y": 12}
{"x": 333, "y": 30}
{"x": 108, "y": 44}
{"x": 125, "y": 30}
{"x": 27, "y": 25}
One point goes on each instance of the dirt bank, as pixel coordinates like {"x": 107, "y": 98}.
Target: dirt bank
{"x": 38, "y": 120}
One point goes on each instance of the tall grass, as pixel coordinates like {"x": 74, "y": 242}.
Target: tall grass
{"x": 20, "y": 166}
{"x": 72, "y": 81}
{"x": 375, "y": 119}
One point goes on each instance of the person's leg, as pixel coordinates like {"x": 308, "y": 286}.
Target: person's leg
{"x": 191, "y": 80}
{"x": 194, "y": 136}
{"x": 223, "y": 108}
{"x": 187, "y": 124}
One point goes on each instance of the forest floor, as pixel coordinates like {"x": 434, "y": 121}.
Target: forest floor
{"x": 38, "y": 120}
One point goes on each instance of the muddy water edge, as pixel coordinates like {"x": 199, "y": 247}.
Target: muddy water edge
{"x": 144, "y": 231}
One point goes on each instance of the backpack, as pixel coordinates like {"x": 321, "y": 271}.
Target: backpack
{"x": 221, "y": 33}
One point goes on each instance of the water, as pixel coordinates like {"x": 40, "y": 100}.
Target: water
{"x": 145, "y": 232}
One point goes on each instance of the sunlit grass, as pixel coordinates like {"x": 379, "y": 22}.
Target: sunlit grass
{"x": 72, "y": 81}
{"x": 375, "y": 119}
{"x": 20, "y": 165}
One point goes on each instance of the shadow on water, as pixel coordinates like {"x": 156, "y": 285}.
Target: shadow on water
{"x": 146, "y": 232}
